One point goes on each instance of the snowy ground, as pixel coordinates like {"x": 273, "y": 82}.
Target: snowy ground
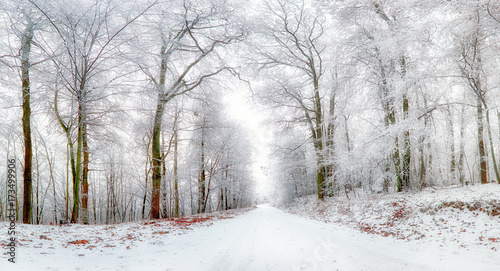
{"x": 468, "y": 216}
{"x": 260, "y": 239}
{"x": 459, "y": 219}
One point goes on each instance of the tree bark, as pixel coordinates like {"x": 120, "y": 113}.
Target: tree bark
{"x": 389, "y": 119}
{"x": 461, "y": 157}
{"x": 480, "y": 140}
{"x": 176, "y": 178}
{"x": 330, "y": 146}
{"x": 453, "y": 162}
{"x": 156, "y": 162}
{"x": 492, "y": 148}
{"x": 85, "y": 174}
{"x": 26, "y": 120}
{"x": 202, "y": 177}
{"x": 406, "y": 149}
{"x": 318, "y": 112}
{"x": 156, "y": 135}
{"x": 406, "y": 170}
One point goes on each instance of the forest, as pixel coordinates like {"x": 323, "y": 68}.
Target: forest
{"x": 116, "y": 110}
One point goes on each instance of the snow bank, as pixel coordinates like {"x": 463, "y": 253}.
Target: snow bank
{"x": 458, "y": 216}
{"x": 124, "y": 246}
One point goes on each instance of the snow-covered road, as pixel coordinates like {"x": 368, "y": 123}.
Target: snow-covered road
{"x": 262, "y": 239}
{"x": 268, "y": 239}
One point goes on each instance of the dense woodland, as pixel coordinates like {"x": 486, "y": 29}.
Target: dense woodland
{"x": 114, "y": 109}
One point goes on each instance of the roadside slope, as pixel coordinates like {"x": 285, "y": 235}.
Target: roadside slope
{"x": 461, "y": 218}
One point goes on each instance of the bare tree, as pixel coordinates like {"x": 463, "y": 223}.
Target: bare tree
{"x": 185, "y": 50}
{"x": 23, "y": 21}
{"x": 294, "y": 46}
{"x": 88, "y": 39}
{"x": 26, "y": 41}
{"x": 388, "y": 97}
{"x": 471, "y": 65}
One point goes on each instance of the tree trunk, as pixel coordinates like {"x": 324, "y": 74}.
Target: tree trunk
{"x": 156, "y": 161}
{"x": 36, "y": 203}
{"x": 146, "y": 171}
{"x": 75, "y": 165}
{"x": 85, "y": 174}
{"x": 406, "y": 170}
{"x": 397, "y": 165}
{"x": 78, "y": 165}
{"x": 330, "y": 146}
{"x": 482, "y": 152}
{"x": 422, "y": 167}
{"x": 54, "y": 193}
{"x": 66, "y": 210}
{"x": 176, "y": 178}
{"x": 166, "y": 207}
{"x": 155, "y": 137}
{"x": 461, "y": 157}
{"x": 321, "y": 171}
{"x": 51, "y": 181}
{"x": 453, "y": 163}
{"x": 202, "y": 177}
{"x": 492, "y": 148}
{"x": 421, "y": 149}
{"x": 389, "y": 119}
{"x": 25, "y": 78}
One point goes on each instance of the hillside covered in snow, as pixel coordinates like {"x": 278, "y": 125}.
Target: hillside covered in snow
{"x": 458, "y": 217}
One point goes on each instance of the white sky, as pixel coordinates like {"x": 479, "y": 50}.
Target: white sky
{"x": 241, "y": 108}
